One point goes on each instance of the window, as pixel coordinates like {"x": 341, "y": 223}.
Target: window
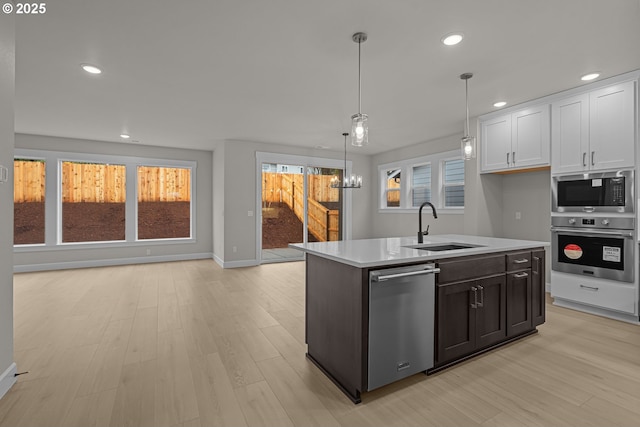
{"x": 164, "y": 202}
{"x": 93, "y": 202}
{"x": 28, "y": 201}
{"x": 421, "y": 185}
{"x": 438, "y": 178}
{"x": 393, "y": 187}
{"x": 453, "y": 183}
{"x": 95, "y": 199}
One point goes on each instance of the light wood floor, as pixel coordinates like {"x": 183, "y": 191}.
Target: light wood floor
{"x": 191, "y": 344}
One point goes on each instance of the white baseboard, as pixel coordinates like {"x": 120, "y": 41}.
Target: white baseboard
{"x": 235, "y": 264}
{"x": 241, "y": 263}
{"x": 109, "y": 262}
{"x": 8, "y": 379}
{"x": 218, "y": 260}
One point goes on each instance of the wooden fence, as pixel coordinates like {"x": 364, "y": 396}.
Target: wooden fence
{"x": 323, "y": 223}
{"x": 393, "y": 197}
{"x": 318, "y": 187}
{"x": 102, "y": 183}
{"x": 28, "y": 181}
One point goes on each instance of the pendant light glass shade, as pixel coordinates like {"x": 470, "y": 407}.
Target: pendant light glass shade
{"x": 468, "y": 143}
{"x": 468, "y": 147}
{"x": 359, "y": 125}
{"x": 359, "y": 130}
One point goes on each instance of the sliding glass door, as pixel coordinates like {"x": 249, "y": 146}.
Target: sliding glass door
{"x": 297, "y": 205}
{"x": 282, "y": 210}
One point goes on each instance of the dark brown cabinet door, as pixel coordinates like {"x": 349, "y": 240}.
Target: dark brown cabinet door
{"x": 519, "y": 317}
{"x": 538, "y": 283}
{"x": 456, "y": 321}
{"x": 490, "y": 311}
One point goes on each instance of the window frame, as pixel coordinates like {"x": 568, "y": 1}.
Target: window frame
{"x": 53, "y": 194}
{"x": 406, "y": 195}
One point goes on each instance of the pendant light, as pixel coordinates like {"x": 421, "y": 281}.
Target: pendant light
{"x": 355, "y": 181}
{"x": 468, "y": 142}
{"x": 359, "y": 125}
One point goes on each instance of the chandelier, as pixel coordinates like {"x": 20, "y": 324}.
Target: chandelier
{"x": 354, "y": 181}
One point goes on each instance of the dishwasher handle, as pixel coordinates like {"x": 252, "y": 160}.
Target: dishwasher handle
{"x": 376, "y": 278}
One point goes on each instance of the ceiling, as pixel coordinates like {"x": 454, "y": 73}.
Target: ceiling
{"x": 191, "y": 74}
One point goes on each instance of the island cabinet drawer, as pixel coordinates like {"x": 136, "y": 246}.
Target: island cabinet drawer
{"x": 518, "y": 260}
{"x": 465, "y": 268}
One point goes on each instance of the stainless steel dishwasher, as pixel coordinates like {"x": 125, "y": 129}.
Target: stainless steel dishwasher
{"x": 401, "y": 322}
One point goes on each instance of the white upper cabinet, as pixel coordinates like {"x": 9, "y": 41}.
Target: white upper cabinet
{"x": 495, "y": 142}
{"x": 517, "y": 140}
{"x": 595, "y": 130}
{"x": 570, "y": 134}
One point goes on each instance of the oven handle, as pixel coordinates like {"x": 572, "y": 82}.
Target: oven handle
{"x": 585, "y": 232}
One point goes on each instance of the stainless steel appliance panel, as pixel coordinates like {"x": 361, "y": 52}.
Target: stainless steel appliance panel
{"x": 401, "y": 323}
{"x": 598, "y": 192}
{"x": 594, "y": 252}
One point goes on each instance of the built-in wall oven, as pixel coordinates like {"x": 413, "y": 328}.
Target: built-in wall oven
{"x": 594, "y": 246}
{"x": 594, "y": 192}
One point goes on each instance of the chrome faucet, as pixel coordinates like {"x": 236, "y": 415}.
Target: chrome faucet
{"x": 420, "y": 232}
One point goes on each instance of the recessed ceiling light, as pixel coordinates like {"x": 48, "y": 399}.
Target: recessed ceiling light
{"x": 91, "y": 69}
{"x": 590, "y": 76}
{"x": 500, "y": 104}
{"x": 452, "y": 39}
{"x": 124, "y": 136}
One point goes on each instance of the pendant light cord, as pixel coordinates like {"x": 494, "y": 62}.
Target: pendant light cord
{"x": 466, "y": 85}
{"x": 344, "y": 174}
{"x": 359, "y": 79}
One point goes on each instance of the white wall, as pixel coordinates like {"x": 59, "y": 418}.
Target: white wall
{"x": 57, "y": 257}
{"x": 238, "y": 229}
{"x": 7, "y": 92}
{"x": 530, "y": 194}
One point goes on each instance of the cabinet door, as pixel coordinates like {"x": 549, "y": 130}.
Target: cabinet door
{"x": 538, "y": 292}
{"x": 495, "y": 144}
{"x": 530, "y": 137}
{"x": 612, "y": 126}
{"x": 519, "y": 317}
{"x": 456, "y": 321}
{"x": 570, "y": 134}
{"x": 490, "y": 312}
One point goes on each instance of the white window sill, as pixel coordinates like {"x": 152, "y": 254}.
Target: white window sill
{"x": 425, "y": 210}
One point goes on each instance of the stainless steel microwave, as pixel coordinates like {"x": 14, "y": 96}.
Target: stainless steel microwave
{"x": 594, "y": 192}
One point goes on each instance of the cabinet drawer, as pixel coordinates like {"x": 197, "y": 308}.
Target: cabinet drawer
{"x": 518, "y": 261}
{"x": 596, "y": 293}
{"x": 465, "y": 268}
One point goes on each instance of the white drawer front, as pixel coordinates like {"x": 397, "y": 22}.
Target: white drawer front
{"x": 599, "y": 293}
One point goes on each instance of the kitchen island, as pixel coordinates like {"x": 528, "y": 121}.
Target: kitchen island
{"x": 506, "y": 274}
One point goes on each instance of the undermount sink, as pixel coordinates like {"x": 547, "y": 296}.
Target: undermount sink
{"x": 442, "y": 246}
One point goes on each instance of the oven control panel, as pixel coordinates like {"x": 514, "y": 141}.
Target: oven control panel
{"x": 622, "y": 223}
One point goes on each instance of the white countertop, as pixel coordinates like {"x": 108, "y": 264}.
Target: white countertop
{"x": 387, "y": 251}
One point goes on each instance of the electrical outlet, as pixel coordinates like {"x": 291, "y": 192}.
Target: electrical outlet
{"x": 250, "y": 213}
{"x": 148, "y": 251}
{"x": 235, "y": 249}
{"x": 518, "y": 215}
